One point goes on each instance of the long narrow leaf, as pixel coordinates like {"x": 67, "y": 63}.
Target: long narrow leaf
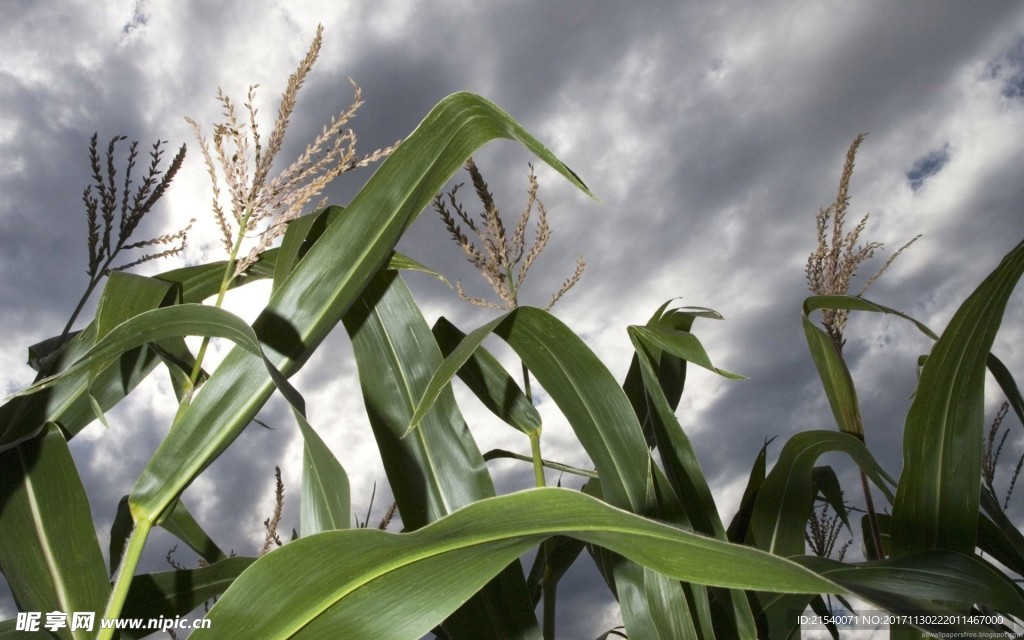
{"x": 682, "y": 469}
{"x": 299, "y": 592}
{"x": 437, "y": 469}
{"x": 50, "y": 555}
{"x": 786, "y": 495}
{"x": 324, "y": 285}
{"x": 326, "y": 503}
{"x": 169, "y": 594}
{"x": 179, "y": 523}
{"x": 489, "y": 381}
{"x": 937, "y": 501}
{"x": 954, "y": 579}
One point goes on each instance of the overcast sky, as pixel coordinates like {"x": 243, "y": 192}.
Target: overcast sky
{"x": 710, "y": 132}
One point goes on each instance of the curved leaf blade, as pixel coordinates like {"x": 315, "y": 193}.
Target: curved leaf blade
{"x": 785, "y": 497}
{"x": 438, "y": 468}
{"x": 489, "y": 381}
{"x": 298, "y": 591}
{"x": 938, "y": 497}
{"x": 325, "y": 284}
{"x": 176, "y": 593}
{"x": 50, "y": 555}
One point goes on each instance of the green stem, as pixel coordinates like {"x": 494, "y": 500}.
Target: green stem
{"x": 136, "y": 542}
{"x": 548, "y": 585}
{"x": 225, "y": 282}
{"x": 538, "y": 462}
{"x": 876, "y": 537}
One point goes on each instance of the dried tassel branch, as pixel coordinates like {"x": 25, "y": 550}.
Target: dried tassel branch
{"x": 834, "y": 262}
{"x": 259, "y": 204}
{"x": 502, "y": 261}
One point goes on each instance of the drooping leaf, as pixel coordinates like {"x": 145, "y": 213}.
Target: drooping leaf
{"x": 326, "y": 503}
{"x": 309, "y": 597}
{"x": 169, "y": 594}
{"x": 489, "y": 381}
{"x": 179, "y": 523}
{"x": 937, "y": 500}
{"x": 932, "y": 581}
{"x": 437, "y": 469}
{"x": 324, "y": 285}
{"x": 50, "y": 556}
{"x": 787, "y": 493}
{"x": 76, "y": 403}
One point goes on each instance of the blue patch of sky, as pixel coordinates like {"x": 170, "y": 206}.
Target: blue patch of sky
{"x": 139, "y": 18}
{"x": 1009, "y": 69}
{"x": 927, "y": 166}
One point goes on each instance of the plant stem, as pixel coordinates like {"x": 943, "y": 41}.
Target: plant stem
{"x": 548, "y": 583}
{"x": 876, "y": 538}
{"x": 225, "y": 282}
{"x": 548, "y": 588}
{"x": 538, "y": 463}
{"x": 136, "y": 542}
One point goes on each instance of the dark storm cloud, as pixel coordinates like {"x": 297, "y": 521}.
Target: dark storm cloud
{"x": 711, "y": 134}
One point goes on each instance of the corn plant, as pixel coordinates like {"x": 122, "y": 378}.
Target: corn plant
{"x": 646, "y": 515}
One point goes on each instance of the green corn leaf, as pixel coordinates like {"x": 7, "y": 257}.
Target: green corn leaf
{"x": 884, "y": 522}
{"x": 151, "y": 326}
{"x": 452, "y": 364}
{"x": 301, "y": 234}
{"x": 596, "y": 408}
{"x": 937, "y": 500}
{"x": 601, "y": 416}
{"x": 179, "y": 523}
{"x": 299, "y": 591}
{"x": 682, "y": 470}
{"x": 324, "y": 285}
{"x": 681, "y": 344}
{"x": 998, "y": 536}
{"x": 70, "y": 404}
{"x": 199, "y": 282}
{"x": 50, "y": 555}
{"x": 1007, "y": 383}
{"x": 919, "y": 583}
{"x": 489, "y": 381}
{"x": 678, "y": 457}
{"x": 825, "y": 483}
{"x": 325, "y": 487}
{"x": 787, "y": 493}
{"x": 835, "y": 376}
{"x": 438, "y": 469}
{"x": 494, "y": 454}
{"x": 176, "y": 593}
{"x": 784, "y": 503}
{"x": 652, "y": 605}
{"x": 326, "y": 503}
{"x": 740, "y": 524}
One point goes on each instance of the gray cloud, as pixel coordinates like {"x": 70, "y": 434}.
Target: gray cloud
{"x": 711, "y": 136}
